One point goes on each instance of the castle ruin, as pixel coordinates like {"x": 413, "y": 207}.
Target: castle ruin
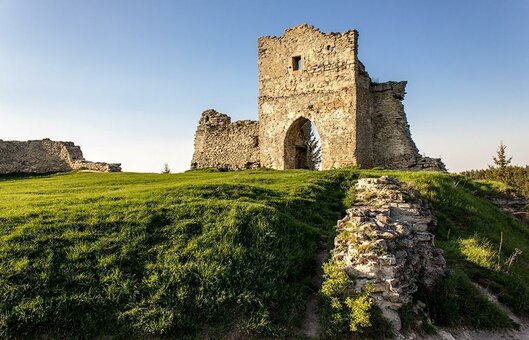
{"x": 309, "y": 76}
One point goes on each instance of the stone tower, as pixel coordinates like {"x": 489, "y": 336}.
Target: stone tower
{"x": 309, "y": 76}
{"x": 306, "y": 75}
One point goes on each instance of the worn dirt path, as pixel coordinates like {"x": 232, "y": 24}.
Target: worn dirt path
{"x": 310, "y": 326}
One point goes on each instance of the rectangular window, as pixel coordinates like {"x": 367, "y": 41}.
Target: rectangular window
{"x": 296, "y": 63}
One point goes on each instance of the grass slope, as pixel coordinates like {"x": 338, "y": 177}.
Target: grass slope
{"x": 87, "y": 254}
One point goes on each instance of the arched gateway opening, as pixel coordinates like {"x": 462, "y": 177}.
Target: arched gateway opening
{"x": 302, "y": 146}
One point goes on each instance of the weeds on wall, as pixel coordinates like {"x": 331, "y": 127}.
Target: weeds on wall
{"x": 344, "y": 313}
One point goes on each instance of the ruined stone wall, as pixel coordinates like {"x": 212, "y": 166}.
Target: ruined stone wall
{"x": 322, "y": 90}
{"x": 95, "y": 166}
{"x": 46, "y": 156}
{"x": 386, "y": 241}
{"x": 393, "y": 147}
{"x": 220, "y": 143}
{"x": 392, "y": 144}
{"x": 364, "y": 126}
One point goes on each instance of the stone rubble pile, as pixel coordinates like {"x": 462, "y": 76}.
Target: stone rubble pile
{"x": 385, "y": 240}
{"x": 510, "y": 202}
{"x": 429, "y": 164}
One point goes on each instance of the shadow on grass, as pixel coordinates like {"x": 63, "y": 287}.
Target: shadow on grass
{"x": 18, "y": 176}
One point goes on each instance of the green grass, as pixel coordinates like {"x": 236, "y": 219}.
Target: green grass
{"x": 514, "y": 176}
{"x": 124, "y": 254}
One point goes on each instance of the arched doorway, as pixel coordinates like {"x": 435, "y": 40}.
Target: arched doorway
{"x": 302, "y": 146}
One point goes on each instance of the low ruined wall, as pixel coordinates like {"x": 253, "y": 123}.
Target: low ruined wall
{"x": 386, "y": 241}
{"x": 46, "y": 156}
{"x": 219, "y": 143}
{"x": 96, "y": 166}
{"x": 428, "y": 164}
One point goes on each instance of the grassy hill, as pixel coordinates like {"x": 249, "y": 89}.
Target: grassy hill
{"x": 515, "y": 176}
{"x": 86, "y": 254}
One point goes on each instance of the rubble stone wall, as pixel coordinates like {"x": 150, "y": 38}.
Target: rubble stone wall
{"x": 95, "y": 166}
{"x": 386, "y": 241}
{"x": 220, "y": 143}
{"x": 46, "y": 156}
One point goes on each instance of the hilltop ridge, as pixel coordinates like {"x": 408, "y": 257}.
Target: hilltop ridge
{"x": 216, "y": 253}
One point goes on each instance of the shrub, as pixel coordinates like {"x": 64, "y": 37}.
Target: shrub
{"x": 346, "y": 314}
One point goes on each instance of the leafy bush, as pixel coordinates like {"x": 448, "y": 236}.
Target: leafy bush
{"x": 359, "y": 308}
{"x": 349, "y": 314}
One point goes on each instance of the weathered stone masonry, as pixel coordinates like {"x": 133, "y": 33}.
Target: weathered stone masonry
{"x": 386, "y": 240}
{"x": 306, "y": 75}
{"x": 46, "y": 156}
{"x": 222, "y": 144}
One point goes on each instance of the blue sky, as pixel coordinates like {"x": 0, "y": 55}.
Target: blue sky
{"x": 128, "y": 80}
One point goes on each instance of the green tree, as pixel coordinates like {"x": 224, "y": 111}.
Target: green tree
{"x": 166, "y": 169}
{"x": 314, "y": 151}
{"x": 501, "y": 160}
